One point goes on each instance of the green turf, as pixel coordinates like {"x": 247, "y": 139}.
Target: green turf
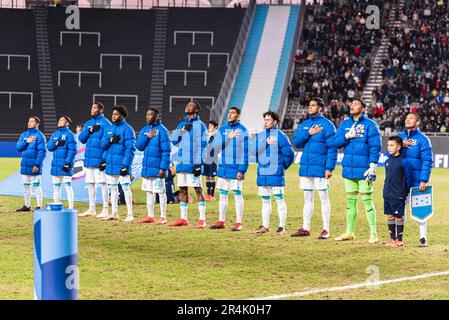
{"x": 131, "y": 261}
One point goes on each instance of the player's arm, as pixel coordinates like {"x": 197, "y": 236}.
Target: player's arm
{"x": 288, "y": 154}
{"x": 71, "y": 146}
{"x": 41, "y": 150}
{"x": 142, "y": 140}
{"x": 426, "y": 160}
{"x": 22, "y": 143}
{"x": 130, "y": 148}
{"x": 51, "y": 144}
{"x": 176, "y": 135}
{"x": 300, "y": 137}
{"x": 340, "y": 140}
{"x": 408, "y": 174}
{"x": 332, "y": 151}
{"x": 105, "y": 143}
{"x": 243, "y": 166}
{"x": 374, "y": 143}
{"x": 166, "y": 149}
{"x": 84, "y": 134}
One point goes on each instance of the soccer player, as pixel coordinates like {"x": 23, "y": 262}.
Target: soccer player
{"x": 314, "y": 137}
{"x": 274, "y": 154}
{"x": 154, "y": 141}
{"x": 191, "y": 138}
{"x": 396, "y": 188}
{"x": 232, "y": 142}
{"x": 210, "y": 169}
{"x": 91, "y": 135}
{"x": 63, "y": 145}
{"x": 119, "y": 143}
{"x": 418, "y": 150}
{"x": 360, "y": 138}
{"x": 32, "y": 145}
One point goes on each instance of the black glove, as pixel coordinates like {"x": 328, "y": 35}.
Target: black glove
{"x": 196, "y": 170}
{"x": 60, "y": 143}
{"x": 114, "y": 139}
{"x": 188, "y": 127}
{"x": 66, "y": 168}
{"x": 124, "y": 172}
{"x": 94, "y": 128}
{"x": 102, "y": 166}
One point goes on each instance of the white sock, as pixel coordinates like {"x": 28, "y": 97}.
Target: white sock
{"x": 308, "y": 209}
{"x": 163, "y": 204}
{"x": 56, "y": 194}
{"x": 150, "y": 204}
{"x": 423, "y": 230}
{"x": 38, "y": 191}
{"x": 184, "y": 210}
{"x": 325, "y": 208}
{"x": 202, "y": 210}
{"x": 128, "y": 200}
{"x": 91, "y": 190}
{"x": 70, "y": 195}
{"x": 266, "y": 212}
{"x": 104, "y": 195}
{"x": 282, "y": 212}
{"x": 27, "y": 195}
{"x": 223, "y": 206}
{"x": 114, "y": 199}
{"x": 238, "y": 208}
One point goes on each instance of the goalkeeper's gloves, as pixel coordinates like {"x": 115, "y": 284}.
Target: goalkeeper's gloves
{"x": 351, "y": 134}
{"x": 102, "y": 166}
{"x": 66, "y": 168}
{"x": 60, "y": 143}
{"x": 114, "y": 139}
{"x": 370, "y": 174}
{"x": 124, "y": 172}
{"x": 197, "y": 170}
{"x": 94, "y": 128}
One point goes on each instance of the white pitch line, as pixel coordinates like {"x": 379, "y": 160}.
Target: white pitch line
{"x": 353, "y": 286}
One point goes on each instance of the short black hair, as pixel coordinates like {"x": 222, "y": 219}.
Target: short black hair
{"x": 36, "y": 118}
{"x": 416, "y": 114}
{"x": 397, "y": 139}
{"x": 80, "y": 124}
{"x": 121, "y": 109}
{"x": 198, "y": 106}
{"x": 361, "y": 102}
{"x": 319, "y": 101}
{"x": 156, "y": 111}
{"x": 69, "y": 120}
{"x": 236, "y": 109}
{"x": 273, "y": 114}
{"x": 214, "y": 123}
{"x": 99, "y": 104}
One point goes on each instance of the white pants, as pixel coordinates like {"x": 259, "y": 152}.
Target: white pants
{"x": 94, "y": 175}
{"x": 189, "y": 180}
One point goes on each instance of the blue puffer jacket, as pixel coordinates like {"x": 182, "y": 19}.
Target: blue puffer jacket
{"x": 64, "y": 154}
{"x": 234, "y": 152}
{"x": 94, "y": 152}
{"x": 272, "y": 159}
{"x": 156, "y": 154}
{"x": 191, "y": 144}
{"x": 419, "y": 155}
{"x": 33, "y": 154}
{"x": 318, "y": 152}
{"x": 121, "y": 154}
{"x": 358, "y": 152}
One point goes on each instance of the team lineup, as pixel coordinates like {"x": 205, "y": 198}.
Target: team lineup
{"x": 226, "y": 152}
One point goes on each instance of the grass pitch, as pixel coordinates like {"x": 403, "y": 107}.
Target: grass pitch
{"x": 118, "y": 260}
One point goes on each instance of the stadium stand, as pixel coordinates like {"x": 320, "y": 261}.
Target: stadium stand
{"x": 19, "y": 89}
{"x": 200, "y": 35}
{"x": 109, "y": 59}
